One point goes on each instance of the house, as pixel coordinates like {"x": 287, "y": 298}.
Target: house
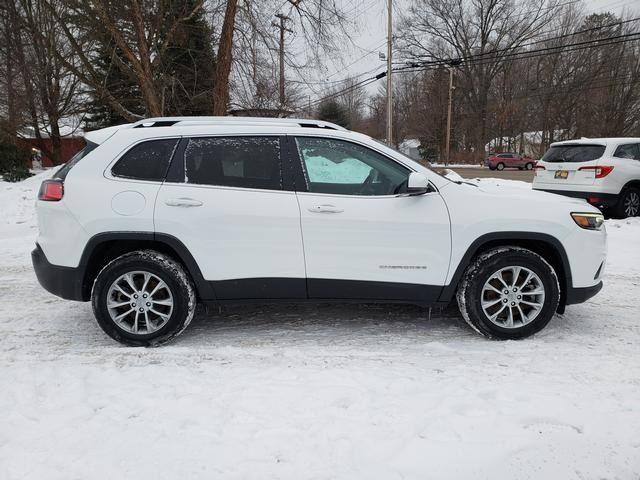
{"x": 71, "y": 142}
{"x": 411, "y": 148}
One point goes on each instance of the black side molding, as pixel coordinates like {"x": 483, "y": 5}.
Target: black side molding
{"x": 500, "y": 238}
{"x": 205, "y": 292}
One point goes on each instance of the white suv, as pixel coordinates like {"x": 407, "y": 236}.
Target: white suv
{"x": 604, "y": 171}
{"x": 154, "y": 216}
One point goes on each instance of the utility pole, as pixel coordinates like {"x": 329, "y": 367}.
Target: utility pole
{"x": 451, "y": 88}
{"x": 283, "y": 28}
{"x": 389, "y": 84}
{"x": 452, "y": 63}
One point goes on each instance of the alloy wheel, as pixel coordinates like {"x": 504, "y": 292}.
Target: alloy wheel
{"x": 512, "y": 297}
{"x": 139, "y": 302}
{"x": 631, "y": 204}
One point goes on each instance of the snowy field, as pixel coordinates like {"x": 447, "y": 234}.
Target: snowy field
{"x": 316, "y": 392}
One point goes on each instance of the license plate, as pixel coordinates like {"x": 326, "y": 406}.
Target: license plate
{"x": 562, "y": 174}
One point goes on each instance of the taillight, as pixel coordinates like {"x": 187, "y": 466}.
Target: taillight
{"x": 51, "y": 191}
{"x": 536, "y": 168}
{"x": 601, "y": 170}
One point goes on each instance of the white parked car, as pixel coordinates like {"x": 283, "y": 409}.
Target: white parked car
{"x": 155, "y": 216}
{"x": 604, "y": 171}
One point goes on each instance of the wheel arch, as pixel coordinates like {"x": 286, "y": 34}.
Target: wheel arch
{"x": 631, "y": 184}
{"x": 547, "y": 246}
{"x": 104, "y": 247}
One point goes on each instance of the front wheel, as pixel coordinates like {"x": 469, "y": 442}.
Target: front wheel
{"x": 500, "y": 166}
{"x": 143, "y": 298}
{"x": 529, "y": 166}
{"x": 508, "y": 293}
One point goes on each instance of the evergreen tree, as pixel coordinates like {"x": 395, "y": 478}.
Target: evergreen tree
{"x": 188, "y": 66}
{"x": 183, "y": 73}
{"x": 332, "y": 111}
{"x": 124, "y": 88}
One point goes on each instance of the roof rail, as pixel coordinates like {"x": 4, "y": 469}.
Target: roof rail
{"x": 170, "y": 121}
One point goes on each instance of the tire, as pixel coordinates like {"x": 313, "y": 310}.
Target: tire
{"x": 492, "y": 168}
{"x": 472, "y": 290}
{"x": 628, "y": 204}
{"x": 500, "y": 166}
{"x": 168, "y": 312}
{"x": 529, "y": 166}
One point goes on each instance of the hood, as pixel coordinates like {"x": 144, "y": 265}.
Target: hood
{"x": 523, "y": 191}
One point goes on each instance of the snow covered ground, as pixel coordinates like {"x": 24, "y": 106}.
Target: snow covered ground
{"x": 319, "y": 392}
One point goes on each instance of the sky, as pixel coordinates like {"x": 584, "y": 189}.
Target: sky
{"x": 369, "y": 35}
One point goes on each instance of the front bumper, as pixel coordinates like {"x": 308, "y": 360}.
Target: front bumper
{"x": 597, "y": 199}
{"x": 65, "y": 282}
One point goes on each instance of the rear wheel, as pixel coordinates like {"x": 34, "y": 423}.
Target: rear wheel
{"x": 143, "y": 298}
{"x": 508, "y": 293}
{"x": 628, "y": 203}
{"x": 500, "y": 166}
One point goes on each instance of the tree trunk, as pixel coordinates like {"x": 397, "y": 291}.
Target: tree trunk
{"x": 56, "y": 142}
{"x": 223, "y": 62}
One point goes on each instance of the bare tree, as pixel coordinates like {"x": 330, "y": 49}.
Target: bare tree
{"x": 141, "y": 32}
{"x": 49, "y": 91}
{"x": 488, "y": 31}
{"x": 320, "y": 25}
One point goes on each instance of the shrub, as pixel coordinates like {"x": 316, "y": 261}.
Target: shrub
{"x": 14, "y": 162}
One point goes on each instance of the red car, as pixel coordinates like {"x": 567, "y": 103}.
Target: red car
{"x": 500, "y": 161}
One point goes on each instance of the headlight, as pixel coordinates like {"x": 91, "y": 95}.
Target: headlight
{"x": 590, "y": 221}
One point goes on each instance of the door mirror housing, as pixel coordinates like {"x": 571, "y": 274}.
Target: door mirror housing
{"x": 418, "y": 184}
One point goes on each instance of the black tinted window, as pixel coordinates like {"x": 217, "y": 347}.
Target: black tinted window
{"x": 630, "y": 150}
{"x": 573, "y": 153}
{"x": 250, "y": 162}
{"x": 146, "y": 161}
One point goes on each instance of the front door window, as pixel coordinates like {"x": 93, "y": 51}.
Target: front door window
{"x": 338, "y": 167}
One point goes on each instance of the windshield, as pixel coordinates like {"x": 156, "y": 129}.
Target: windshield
{"x": 573, "y": 153}
{"x": 64, "y": 170}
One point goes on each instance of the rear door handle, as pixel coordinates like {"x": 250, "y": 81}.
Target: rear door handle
{"x": 183, "y": 202}
{"x": 325, "y": 209}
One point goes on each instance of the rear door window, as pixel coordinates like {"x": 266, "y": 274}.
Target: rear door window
{"x": 573, "y": 153}
{"x": 147, "y": 160}
{"x": 247, "y": 162}
{"x": 629, "y": 150}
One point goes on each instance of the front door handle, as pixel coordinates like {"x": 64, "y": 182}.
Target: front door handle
{"x": 183, "y": 202}
{"x": 325, "y": 209}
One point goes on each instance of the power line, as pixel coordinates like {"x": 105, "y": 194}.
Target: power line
{"x": 519, "y": 47}
{"x": 527, "y": 54}
{"x": 469, "y": 61}
{"x": 444, "y": 62}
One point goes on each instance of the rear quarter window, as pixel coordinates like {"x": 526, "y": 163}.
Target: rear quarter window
{"x": 629, "y": 150}
{"x": 146, "y": 161}
{"x": 573, "y": 153}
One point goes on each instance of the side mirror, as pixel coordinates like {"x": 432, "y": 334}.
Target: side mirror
{"x": 418, "y": 184}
